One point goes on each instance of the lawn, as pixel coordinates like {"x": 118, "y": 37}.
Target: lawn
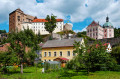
{"x": 30, "y": 73}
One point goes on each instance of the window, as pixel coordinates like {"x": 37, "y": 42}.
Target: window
{"x": 90, "y": 35}
{"x": 18, "y": 18}
{"x": 105, "y": 30}
{"x": 96, "y": 34}
{"x": 73, "y": 54}
{"x": 88, "y": 30}
{"x": 110, "y": 35}
{"x": 68, "y": 53}
{"x": 110, "y": 30}
{"x": 45, "y": 54}
{"x": 60, "y": 53}
{"x": 49, "y": 54}
{"x": 96, "y": 29}
{"x": 54, "y": 53}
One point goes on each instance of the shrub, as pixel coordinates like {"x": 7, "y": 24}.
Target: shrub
{"x": 4, "y": 70}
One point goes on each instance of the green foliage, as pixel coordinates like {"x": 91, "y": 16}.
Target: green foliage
{"x": 67, "y": 32}
{"x": 39, "y": 64}
{"x": 2, "y": 31}
{"x": 3, "y": 41}
{"x": 99, "y": 57}
{"x": 77, "y": 62}
{"x": 116, "y": 53}
{"x": 83, "y": 34}
{"x": 50, "y": 25}
{"x": 30, "y": 73}
{"x": 92, "y": 58}
{"x": 116, "y": 32}
{"x": 18, "y": 43}
{"x": 31, "y": 55}
{"x": 7, "y": 59}
{"x": 39, "y": 37}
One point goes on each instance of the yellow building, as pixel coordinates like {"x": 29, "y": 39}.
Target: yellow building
{"x": 53, "y": 49}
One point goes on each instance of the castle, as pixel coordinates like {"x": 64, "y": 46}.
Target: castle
{"x": 16, "y": 18}
{"x": 19, "y": 21}
{"x": 96, "y": 31}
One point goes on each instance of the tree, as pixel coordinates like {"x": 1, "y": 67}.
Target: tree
{"x": 39, "y": 37}
{"x": 83, "y": 34}
{"x": 6, "y": 59}
{"x": 92, "y": 58}
{"x": 99, "y": 58}
{"x": 19, "y": 41}
{"x": 77, "y": 62}
{"x": 2, "y": 31}
{"x": 50, "y": 25}
{"x": 117, "y": 32}
{"x": 116, "y": 53}
{"x": 66, "y": 32}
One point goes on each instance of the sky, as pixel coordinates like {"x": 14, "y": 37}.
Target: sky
{"x": 80, "y": 13}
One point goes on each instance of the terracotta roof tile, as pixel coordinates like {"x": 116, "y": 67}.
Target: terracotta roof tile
{"x": 43, "y": 20}
{"x": 93, "y": 24}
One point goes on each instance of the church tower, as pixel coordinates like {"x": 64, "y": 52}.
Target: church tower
{"x": 108, "y": 29}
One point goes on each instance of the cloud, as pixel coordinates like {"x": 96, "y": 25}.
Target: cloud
{"x": 76, "y": 31}
{"x": 77, "y": 9}
{"x": 84, "y": 29}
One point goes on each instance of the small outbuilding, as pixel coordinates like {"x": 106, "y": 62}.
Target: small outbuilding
{"x": 62, "y": 60}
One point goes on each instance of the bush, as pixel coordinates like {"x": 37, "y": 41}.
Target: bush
{"x": 40, "y": 65}
{"x": 4, "y": 70}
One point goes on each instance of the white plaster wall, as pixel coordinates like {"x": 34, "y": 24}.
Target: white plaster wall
{"x": 40, "y": 27}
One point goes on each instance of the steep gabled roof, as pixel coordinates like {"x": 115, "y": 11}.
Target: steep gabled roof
{"x": 93, "y": 24}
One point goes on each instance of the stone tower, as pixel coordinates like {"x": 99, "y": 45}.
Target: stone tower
{"x": 16, "y": 18}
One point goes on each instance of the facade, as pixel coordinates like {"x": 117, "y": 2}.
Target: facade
{"x": 53, "y": 49}
{"x": 38, "y": 25}
{"x": 96, "y": 31}
{"x": 16, "y": 18}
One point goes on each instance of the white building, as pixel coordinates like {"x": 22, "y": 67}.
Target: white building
{"x": 38, "y": 25}
{"x": 96, "y": 31}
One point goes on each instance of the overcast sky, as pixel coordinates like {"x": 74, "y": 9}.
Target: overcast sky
{"x": 79, "y": 12}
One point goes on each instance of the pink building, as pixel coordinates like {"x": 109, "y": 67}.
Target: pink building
{"x": 96, "y": 31}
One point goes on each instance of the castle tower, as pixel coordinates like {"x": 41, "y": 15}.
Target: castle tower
{"x": 16, "y": 18}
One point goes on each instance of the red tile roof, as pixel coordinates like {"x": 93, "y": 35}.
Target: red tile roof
{"x": 63, "y": 58}
{"x": 43, "y": 20}
{"x": 93, "y": 24}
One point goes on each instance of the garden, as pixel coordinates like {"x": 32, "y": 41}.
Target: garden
{"x": 31, "y": 73}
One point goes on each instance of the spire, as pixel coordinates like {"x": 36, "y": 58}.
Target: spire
{"x": 107, "y": 18}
